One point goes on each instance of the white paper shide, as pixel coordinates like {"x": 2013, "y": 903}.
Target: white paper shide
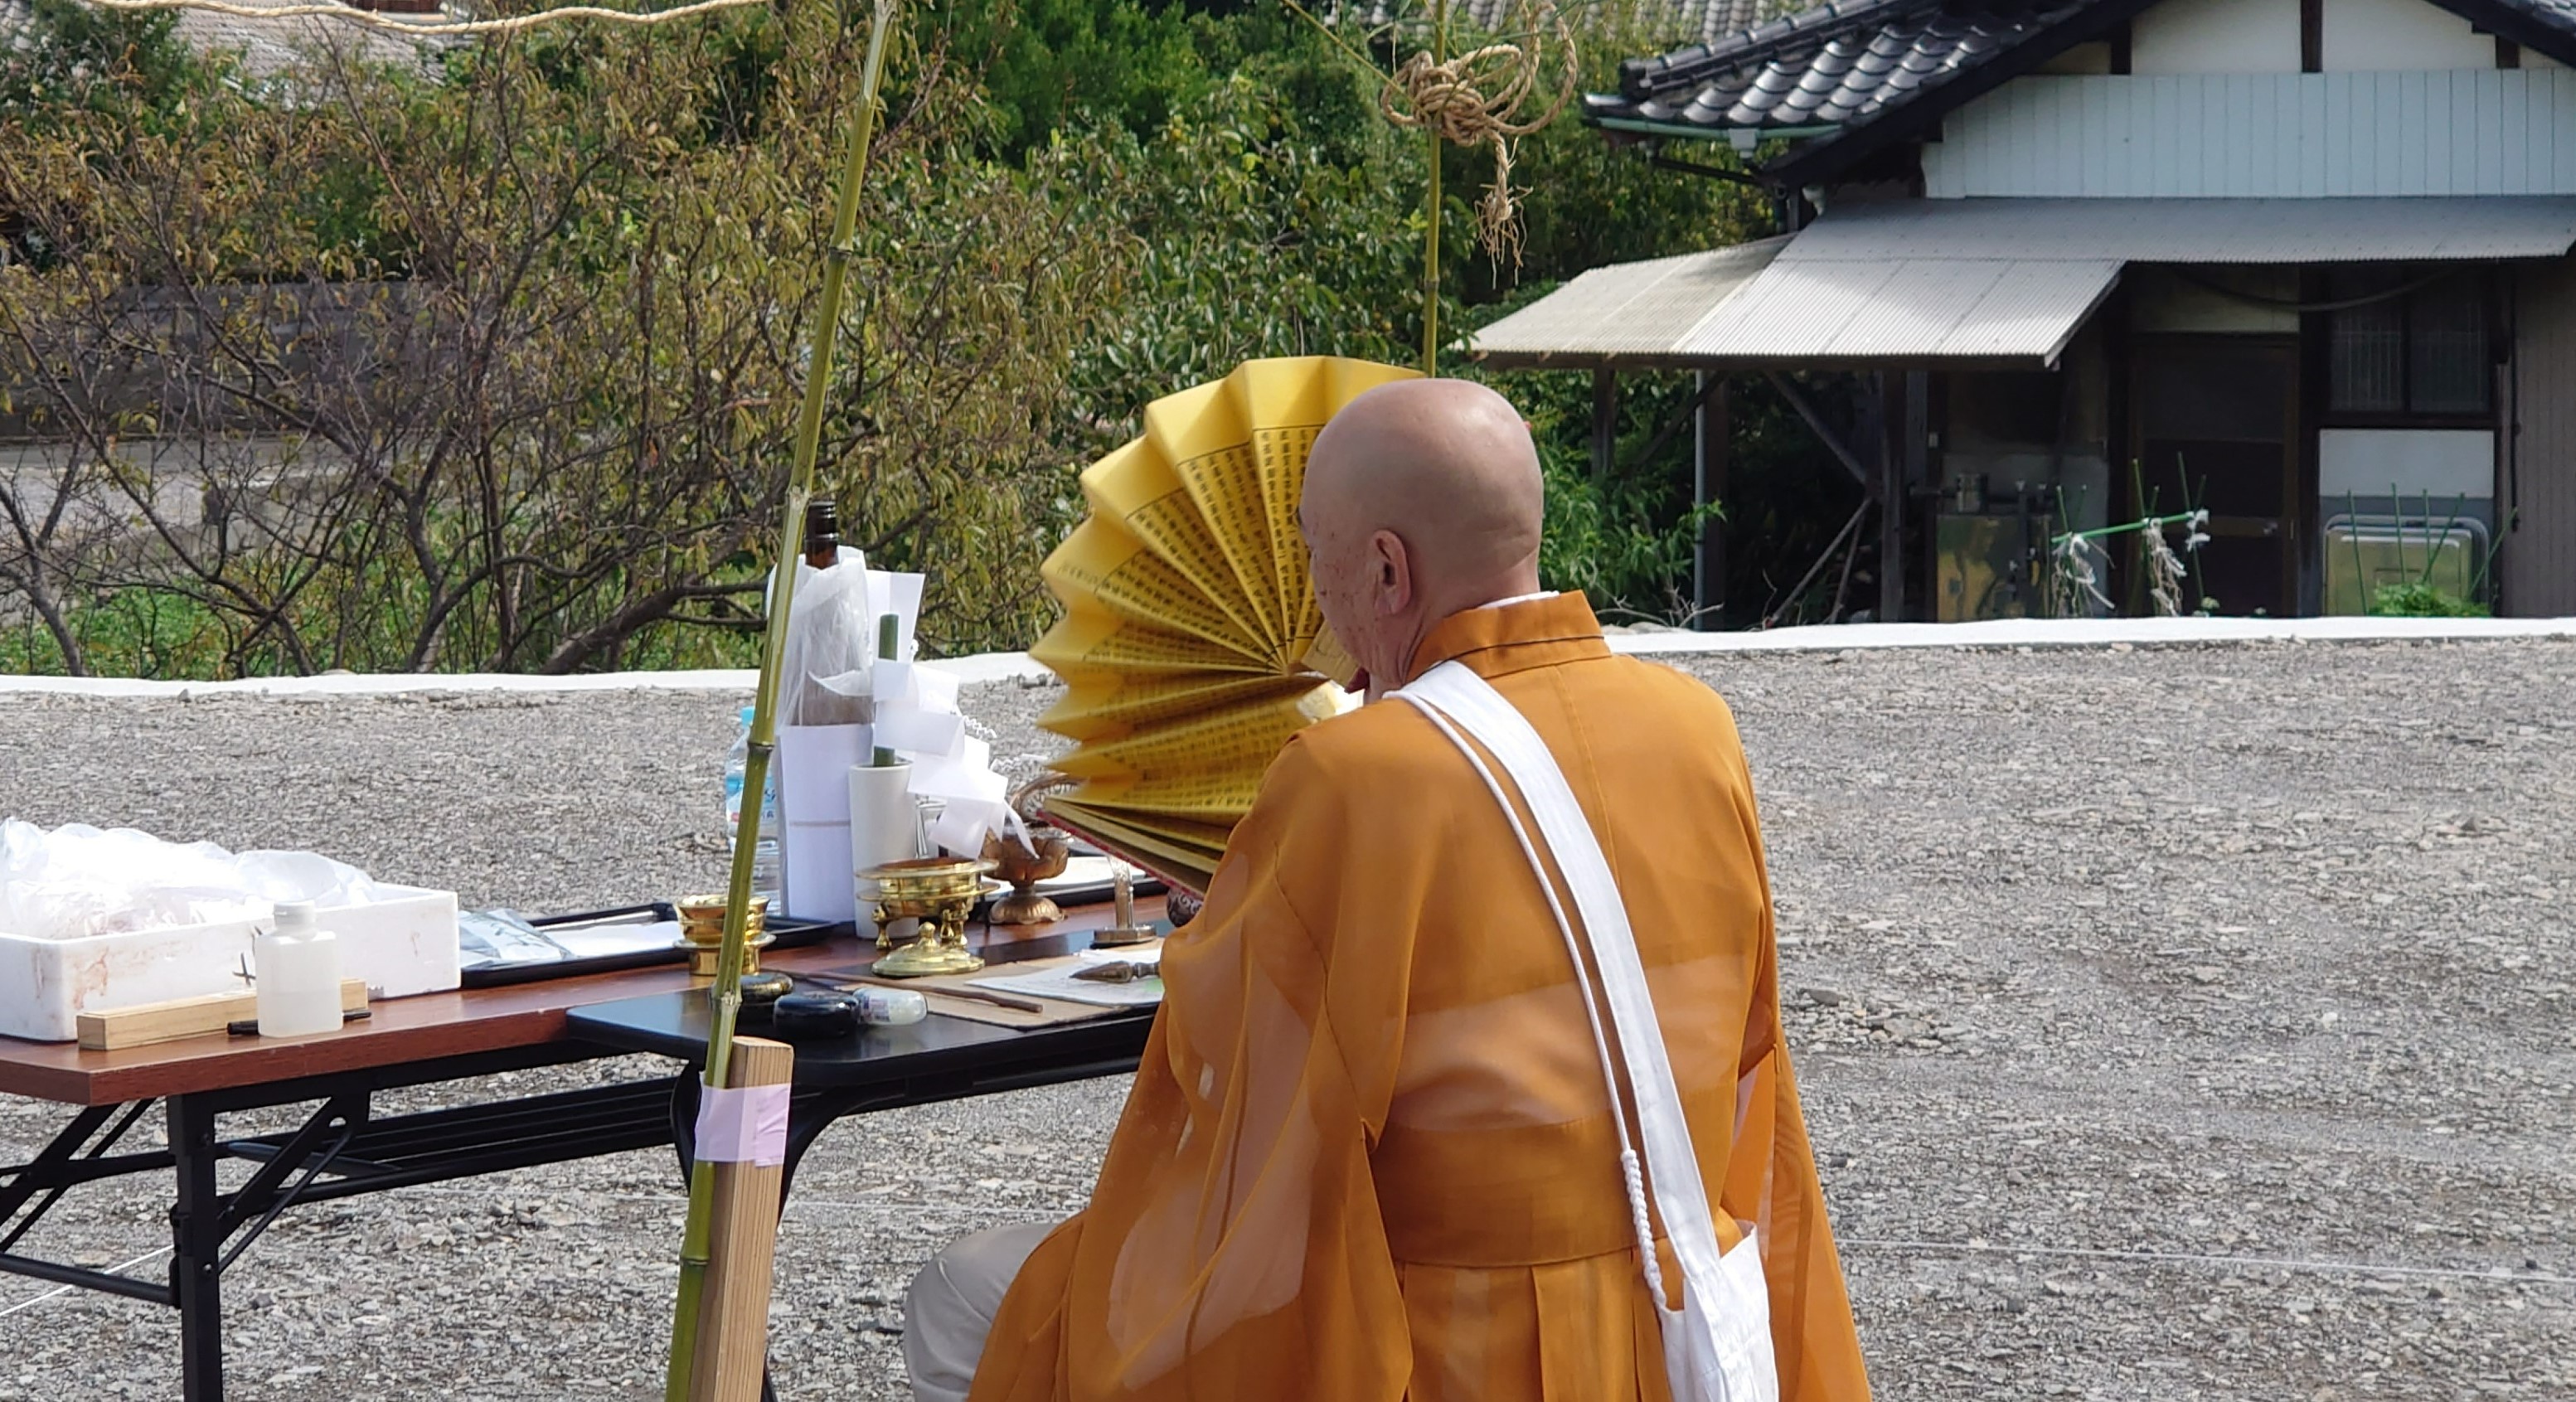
{"x": 841, "y": 698}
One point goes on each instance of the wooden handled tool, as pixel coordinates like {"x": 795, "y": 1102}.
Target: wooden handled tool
{"x": 972, "y": 995}
{"x": 144, "y": 1024}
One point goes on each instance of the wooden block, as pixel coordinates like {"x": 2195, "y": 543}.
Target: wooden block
{"x": 146, "y": 1023}
{"x": 733, "y": 1314}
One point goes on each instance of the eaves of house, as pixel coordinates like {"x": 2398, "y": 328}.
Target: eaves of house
{"x": 1850, "y": 78}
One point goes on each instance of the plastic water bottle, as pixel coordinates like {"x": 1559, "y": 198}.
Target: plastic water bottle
{"x": 764, "y": 855}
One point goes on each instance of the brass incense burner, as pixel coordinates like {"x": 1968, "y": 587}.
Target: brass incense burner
{"x": 702, "y": 933}
{"x": 1024, "y": 868}
{"x": 939, "y": 892}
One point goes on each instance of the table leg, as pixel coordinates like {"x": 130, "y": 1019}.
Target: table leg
{"x": 196, "y": 1256}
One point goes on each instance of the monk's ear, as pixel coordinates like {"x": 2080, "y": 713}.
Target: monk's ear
{"x": 1390, "y": 573}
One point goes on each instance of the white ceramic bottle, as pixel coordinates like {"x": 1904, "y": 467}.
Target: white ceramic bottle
{"x": 298, "y": 975}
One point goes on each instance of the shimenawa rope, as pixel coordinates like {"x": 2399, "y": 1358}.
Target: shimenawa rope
{"x": 1475, "y": 100}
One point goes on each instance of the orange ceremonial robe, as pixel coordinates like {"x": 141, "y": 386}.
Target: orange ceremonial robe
{"x": 1369, "y": 1154}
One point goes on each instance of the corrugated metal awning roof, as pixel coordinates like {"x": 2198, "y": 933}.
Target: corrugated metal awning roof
{"x": 1628, "y": 313}
{"x": 1999, "y": 281}
{"x": 1822, "y": 311}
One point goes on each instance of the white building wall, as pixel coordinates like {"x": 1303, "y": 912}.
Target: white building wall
{"x": 2491, "y": 132}
{"x": 2380, "y": 36}
{"x": 2216, "y": 36}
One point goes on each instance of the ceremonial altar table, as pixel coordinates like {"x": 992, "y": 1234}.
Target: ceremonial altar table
{"x": 344, "y": 1149}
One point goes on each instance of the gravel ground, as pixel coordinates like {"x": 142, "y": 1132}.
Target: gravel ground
{"x": 2173, "y": 1022}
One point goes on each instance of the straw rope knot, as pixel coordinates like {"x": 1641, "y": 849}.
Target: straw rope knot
{"x": 1476, "y": 99}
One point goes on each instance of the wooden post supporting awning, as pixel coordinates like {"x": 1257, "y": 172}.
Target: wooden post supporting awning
{"x": 1789, "y": 304}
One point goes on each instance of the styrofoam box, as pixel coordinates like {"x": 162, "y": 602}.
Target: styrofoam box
{"x": 400, "y": 946}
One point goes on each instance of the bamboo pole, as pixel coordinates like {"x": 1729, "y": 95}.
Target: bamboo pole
{"x": 735, "y": 1313}
{"x": 725, "y": 995}
{"x": 1431, "y": 207}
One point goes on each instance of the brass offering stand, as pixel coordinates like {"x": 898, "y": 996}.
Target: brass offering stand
{"x": 1024, "y": 867}
{"x": 702, "y": 933}
{"x": 939, "y": 892}
{"x": 1044, "y": 856}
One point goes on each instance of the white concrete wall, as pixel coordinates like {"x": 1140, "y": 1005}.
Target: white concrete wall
{"x": 2216, "y": 36}
{"x": 2486, "y": 132}
{"x": 2446, "y": 463}
{"x": 2383, "y": 36}
{"x": 2262, "y": 36}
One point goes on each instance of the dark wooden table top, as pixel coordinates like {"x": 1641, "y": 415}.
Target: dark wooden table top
{"x": 675, "y": 1025}
{"x": 400, "y": 1031}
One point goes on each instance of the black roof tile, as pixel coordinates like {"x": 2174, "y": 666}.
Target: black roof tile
{"x": 1844, "y": 62}
{"x": 1833, "y": 65}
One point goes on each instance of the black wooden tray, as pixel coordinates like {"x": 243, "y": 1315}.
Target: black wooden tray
{"x": 791, "y": 934}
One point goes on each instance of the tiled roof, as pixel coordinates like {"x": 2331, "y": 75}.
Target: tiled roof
{"x": 1844, "y": 62}
{"x": 1831, "y": 66}
{"x": 267, "y": 47}
{"x": 1671, "y": 20}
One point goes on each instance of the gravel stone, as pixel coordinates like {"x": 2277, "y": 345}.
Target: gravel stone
{"x": 2173, "y": 1022}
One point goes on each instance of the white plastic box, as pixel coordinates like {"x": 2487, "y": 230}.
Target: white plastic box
{"x": 400, "y": 946}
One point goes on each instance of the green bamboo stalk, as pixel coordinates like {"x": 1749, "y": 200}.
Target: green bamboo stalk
{"x": 2106, "y": 532}
{"x": 725, "y": 996}
{"x": 1431, "y": 207}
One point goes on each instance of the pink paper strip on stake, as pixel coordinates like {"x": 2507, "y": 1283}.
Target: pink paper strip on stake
{"x": 747, "y": 1124}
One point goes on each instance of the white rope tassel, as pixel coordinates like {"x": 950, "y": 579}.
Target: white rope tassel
{"x": 1645, "y": 1228}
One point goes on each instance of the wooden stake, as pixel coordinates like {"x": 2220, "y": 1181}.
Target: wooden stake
{"x": 733, "y": 1320}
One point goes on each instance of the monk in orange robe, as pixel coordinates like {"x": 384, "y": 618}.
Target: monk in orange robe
{"x": 1369, "y": 1154}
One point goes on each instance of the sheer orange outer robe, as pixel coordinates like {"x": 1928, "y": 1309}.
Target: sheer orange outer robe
{"x": 1369, "y": 1154}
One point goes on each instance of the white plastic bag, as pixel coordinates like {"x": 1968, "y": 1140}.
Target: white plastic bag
{"x": 825, "y": 671}
{"x": 76, "y": 881}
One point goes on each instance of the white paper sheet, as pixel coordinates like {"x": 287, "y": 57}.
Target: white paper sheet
{"x": 1061, "y": 985}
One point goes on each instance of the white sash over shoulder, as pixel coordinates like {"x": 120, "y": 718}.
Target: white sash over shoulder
{"x": 1717, "y": 1345}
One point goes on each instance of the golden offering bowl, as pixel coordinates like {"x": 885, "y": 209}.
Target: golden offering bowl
{"x": 702, "y": 933}
{"x": 1024, "y": 868}
{"x": 938, "y": 892}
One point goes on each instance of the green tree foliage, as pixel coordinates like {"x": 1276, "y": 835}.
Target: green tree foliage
{"x": 492, "y": 364}
{"x": 1049, "y": 66}
{"x": 78, "y": 58}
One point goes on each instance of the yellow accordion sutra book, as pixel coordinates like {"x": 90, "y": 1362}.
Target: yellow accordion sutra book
{"x": 1191, "y": 647}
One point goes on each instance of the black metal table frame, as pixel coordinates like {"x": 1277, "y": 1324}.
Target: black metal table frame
{"x": 344, "y": 1149}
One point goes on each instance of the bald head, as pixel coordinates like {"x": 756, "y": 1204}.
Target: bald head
{"x": 1422, "y": 498}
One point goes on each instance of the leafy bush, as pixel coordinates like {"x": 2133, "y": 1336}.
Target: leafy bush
{"x": 2421, "y": 600}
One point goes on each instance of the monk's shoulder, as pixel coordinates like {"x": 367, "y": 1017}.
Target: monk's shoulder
{"x": 1623, "y": 682}
{"x": 1391, "y": 743}
{"x": 1387, "y": 737}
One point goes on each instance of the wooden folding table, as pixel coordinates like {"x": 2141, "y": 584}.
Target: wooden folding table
{"x": 344, "y": 1148}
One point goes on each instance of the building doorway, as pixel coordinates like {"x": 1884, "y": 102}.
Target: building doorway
{"x": 2216, "y": 427}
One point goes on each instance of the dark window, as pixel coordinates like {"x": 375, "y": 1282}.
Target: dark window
{"x": 2412, "y": 347}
